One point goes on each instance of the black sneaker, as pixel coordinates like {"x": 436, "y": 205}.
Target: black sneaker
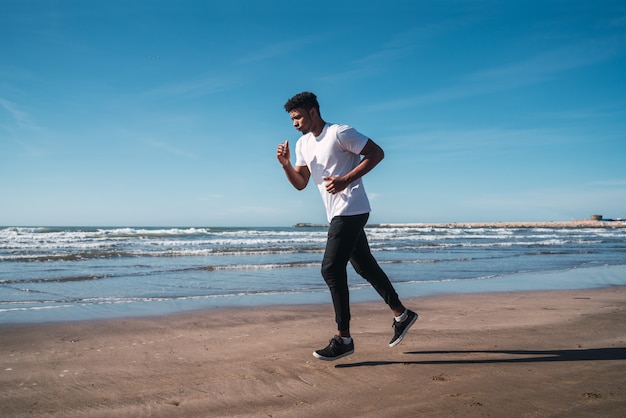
{"x": 336, "y": 349}
{"x": 400, "y": 328}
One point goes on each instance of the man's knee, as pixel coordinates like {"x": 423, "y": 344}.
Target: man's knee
{"x": 332, "y": 271}
{"x": 328, "y": 272}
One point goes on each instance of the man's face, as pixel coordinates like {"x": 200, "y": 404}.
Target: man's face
{"x": 302, "y": 120}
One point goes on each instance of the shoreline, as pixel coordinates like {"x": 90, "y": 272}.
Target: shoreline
{"x": 581, "y": 278}
{"x": 532, "y": 353}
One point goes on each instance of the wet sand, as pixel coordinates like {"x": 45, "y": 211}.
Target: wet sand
{"x": 523, "y": 354}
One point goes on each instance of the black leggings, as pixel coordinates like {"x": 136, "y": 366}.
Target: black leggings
{"x": 347, "y": 242}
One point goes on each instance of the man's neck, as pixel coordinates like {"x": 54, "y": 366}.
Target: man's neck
{"x": 319, "y": 127}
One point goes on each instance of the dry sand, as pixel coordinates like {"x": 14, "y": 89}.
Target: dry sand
{"x": 519, "y": 354}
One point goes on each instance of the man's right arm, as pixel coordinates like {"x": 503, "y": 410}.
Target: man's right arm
{"x": 298, "y": 176}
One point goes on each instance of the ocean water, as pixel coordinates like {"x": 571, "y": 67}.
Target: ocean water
{"x": 60, "y": 274}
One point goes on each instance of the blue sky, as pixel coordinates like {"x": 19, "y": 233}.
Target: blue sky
{"x": 168, "y": 113}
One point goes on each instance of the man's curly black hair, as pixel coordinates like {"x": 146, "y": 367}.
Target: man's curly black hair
{"x": 305, "y": 100}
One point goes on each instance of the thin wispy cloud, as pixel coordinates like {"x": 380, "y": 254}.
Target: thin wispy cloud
{"x": 549, "y": 63}
{"x": 586, "y": 114}
{"x": 211, "y": 197}
{"x": 252, "y": 210}
{"x": 474, "y": 140}
{"x": 170, "y": 149}
{"x": 201, "y": 86}
{"x": 271, "y": 50}
{"x": 20, "y": 117}
{"x": 394, "y": 50}
{"x": 349, "y": 75}
{"x": 536, "y": 69}
{"x": 608, "y": 183}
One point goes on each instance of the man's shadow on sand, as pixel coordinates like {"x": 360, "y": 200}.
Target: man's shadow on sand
{"x": 517, "y": 356}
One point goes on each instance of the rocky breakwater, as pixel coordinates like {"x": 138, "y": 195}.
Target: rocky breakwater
{"x": 552, "y": 224}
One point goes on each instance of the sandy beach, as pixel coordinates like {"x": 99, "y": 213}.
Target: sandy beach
{"x": 524, "y": 354}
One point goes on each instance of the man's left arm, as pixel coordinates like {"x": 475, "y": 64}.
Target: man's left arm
{"x": 372, "y": 154}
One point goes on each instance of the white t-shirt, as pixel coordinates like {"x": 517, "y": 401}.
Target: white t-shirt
{"x": 335, "y": 152}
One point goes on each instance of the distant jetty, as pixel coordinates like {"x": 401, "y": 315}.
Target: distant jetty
{"x": 551, "y": 224}
{"x": 555, "y": 224}
{"x": 309, "y": 225}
